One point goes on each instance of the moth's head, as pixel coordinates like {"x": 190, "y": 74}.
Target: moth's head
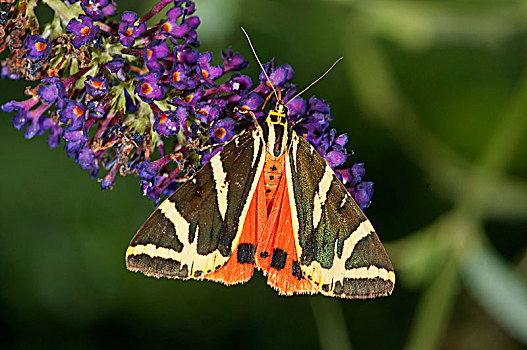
{"x": 278, "y": 115}
{"x": 277, "y": 131}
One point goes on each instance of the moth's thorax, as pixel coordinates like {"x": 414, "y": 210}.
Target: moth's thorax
{"x": 277, "y": 131}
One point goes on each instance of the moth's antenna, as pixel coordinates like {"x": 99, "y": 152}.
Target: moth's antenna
{"x": 316, "y": 81}
{"x": 260, "y": 63}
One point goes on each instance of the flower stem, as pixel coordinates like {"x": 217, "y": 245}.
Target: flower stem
{"x": 155, "y": 10}
{"x": 331, "y": 324}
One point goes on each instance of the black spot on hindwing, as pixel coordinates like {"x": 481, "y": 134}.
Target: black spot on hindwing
{"x": 296, "y": 270}
{"x": 245, "y": 253}
{"x": 279, "y": 258}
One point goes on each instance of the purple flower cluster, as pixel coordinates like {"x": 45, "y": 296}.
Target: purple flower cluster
{"x": 151, "y": 107}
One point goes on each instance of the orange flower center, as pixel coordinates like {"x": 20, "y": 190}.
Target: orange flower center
{"x": 128, "y": 32}
{"x": 204, "y": 73}
{"x": 85, "y": 31}
{"x": 148, "y": 54}
{"x": 220, "y": 133}
{"x": 146, "y": 88}
{"x": 40, "y": 46}
{"x": 175, "y": 76}
{"x": 97, "y": 84}
{"x": 78, "y": 111}
{"x": 167, "y": 27}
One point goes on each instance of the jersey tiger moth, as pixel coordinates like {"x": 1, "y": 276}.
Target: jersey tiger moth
{"x": 266, "y": 200}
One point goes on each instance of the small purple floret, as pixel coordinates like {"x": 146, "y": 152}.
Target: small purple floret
{"x": 182, "y": 77}
{"x": 167, "y": 124}
{"x": 116, "y": 66}
{"x": 72, "y": 115}
{"x": 222, "y": 131}
{"x": 207, "y": 113}
{"x": 5, "y": 73}
{"x": 149, "y": 88}
{"x": 51, "y": 89}
{"x": 251, "y": 102}
{"x": 96, "y": 86}
{"x": 84, "y": 30}
{"x": 208, "y": 72}
{"x": 205, "y": 158}
{"x": 233, "y": 61}
{"x": 94, "y": 8}
{"x": 86, "y": 158}
{"x": 362, "y": 194}
{"x": 147, "y": 170}
{"x": 38, "y": 47}
{"x": 128, "y": 31}
{"x": 55, "y": 131}
{"x": 74, "y": 141}
{"x": 171, "y": 27}
{"x": 187, "y": 55}
{"x": 155, "y": 50}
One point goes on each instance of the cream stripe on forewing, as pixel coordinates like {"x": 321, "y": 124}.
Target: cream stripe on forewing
{"x": 294, "y": 147}
{"x": 291, "y": 193}
{"x": 257, "y": 174}
{"x": 189, "y": 255}
{"x": 181, "y": 225}
{"x": 321, "y": 195}
{"x": 271, "y": 140}
{"x": 220, "y": 182}
{"x": 256, "y": 145}
{"x": 343, "y": 202}
{"x": 338, "y": 272}
{"x": 364, "y": 230}
{"x": 285, "y": 137}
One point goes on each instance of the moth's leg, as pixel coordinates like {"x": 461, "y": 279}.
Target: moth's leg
{"x": 255, "y": 121}
{"x": 298, "y": 121}
{"x": 204, "y": 148}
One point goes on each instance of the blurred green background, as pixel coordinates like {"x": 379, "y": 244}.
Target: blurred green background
{"x": 433, "y": 95}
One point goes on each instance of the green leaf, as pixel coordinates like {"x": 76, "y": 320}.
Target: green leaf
{"x": 499, "y": 289}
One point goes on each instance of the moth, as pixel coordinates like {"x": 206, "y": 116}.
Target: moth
{"x": 269, "y": 201}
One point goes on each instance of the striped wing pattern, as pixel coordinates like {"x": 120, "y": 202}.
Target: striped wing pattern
{"x": 314, "y": 240}
{"x": 195, "y": 230}
{"x": 337, "y": 246}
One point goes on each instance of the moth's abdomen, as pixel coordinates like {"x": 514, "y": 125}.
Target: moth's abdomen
{"x": 273, "y": 169}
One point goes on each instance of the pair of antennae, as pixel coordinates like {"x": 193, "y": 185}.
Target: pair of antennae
{"x": 269, "y": 80}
